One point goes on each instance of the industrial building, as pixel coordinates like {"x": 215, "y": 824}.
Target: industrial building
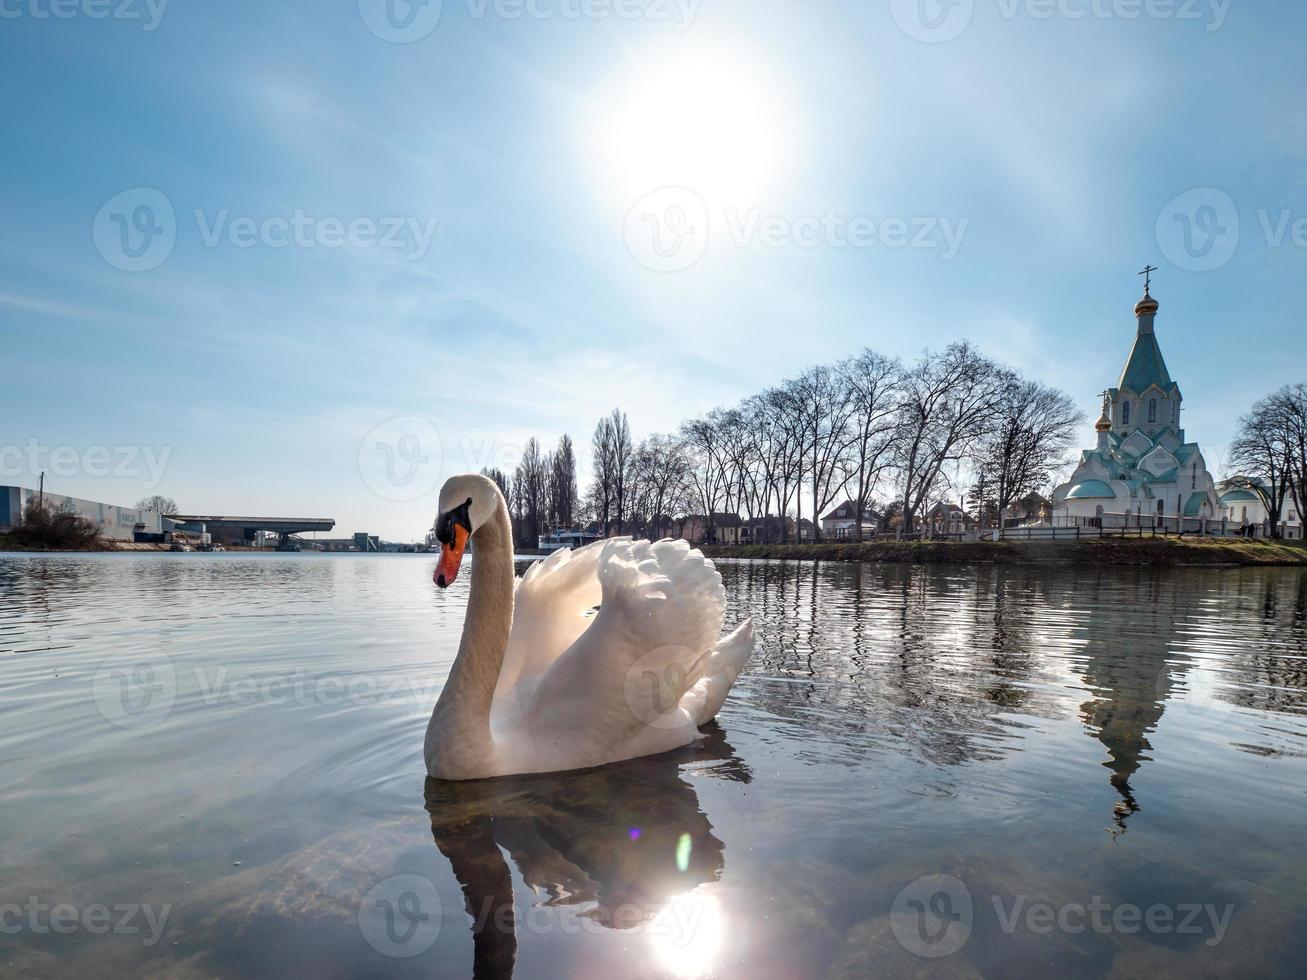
{"x": 116, "y": 523}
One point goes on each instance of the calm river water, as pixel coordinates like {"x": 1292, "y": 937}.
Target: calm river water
{"x": 211, "y": 766}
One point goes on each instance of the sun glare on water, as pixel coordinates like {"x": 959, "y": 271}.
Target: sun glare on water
{"x": 686, "y": 936}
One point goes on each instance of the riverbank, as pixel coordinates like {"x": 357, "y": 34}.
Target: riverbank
{"x": 1098, "y": 551}
{"x": 7, "y": 543}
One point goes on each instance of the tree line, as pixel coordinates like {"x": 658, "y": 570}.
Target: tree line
{"x": 868, "y": 428}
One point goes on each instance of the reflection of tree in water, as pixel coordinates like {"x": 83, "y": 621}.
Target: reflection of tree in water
{"x": 1150, "y": 630}
{"x": 618, "y": 842}
{"x": 1270, "y": 668}
{"x": 928, "y": 654}
{"x": 933, "y": 658}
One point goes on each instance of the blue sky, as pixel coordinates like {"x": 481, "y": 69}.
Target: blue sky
{"x": 840, "y": 176}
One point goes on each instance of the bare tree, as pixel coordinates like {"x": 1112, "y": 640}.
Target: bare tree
{"x": 532, "y": 482}
{"x": 621, "y": 449}
{"x": 1292, "y": 403}
{"x": 825, "y": 408}
{"x": 563, "y": 484}
{"x": 1264, "y": 451}
{"x": 708, "y": 472}
{"x": 872, "y": 381}
{"x": 949, "y": 403}
{"x": 159, "y": 504}
{"x": 1034, "y": 428}
{"x": 603, "y": 488}
{"x": 662, "y": 472}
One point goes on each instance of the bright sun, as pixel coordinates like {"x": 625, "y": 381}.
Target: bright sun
{"x": 704, "y": 118}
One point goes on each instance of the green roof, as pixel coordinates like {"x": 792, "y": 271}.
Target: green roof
{"x": 1145, "y": 367}
{"x": 1193, "y": 506}
{"x": 1239, "y": 495}
{"x": 1091, "y": 488}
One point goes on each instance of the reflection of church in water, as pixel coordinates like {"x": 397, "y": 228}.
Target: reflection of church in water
{"x": 1130, "y": 672}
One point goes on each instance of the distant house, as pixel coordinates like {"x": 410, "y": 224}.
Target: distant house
{"x": 948, "y": 519}
{"x": 1030, "y": 509}
{"x": 1241, "y": 504}
{"x": 725, "y": 529}
{"x": 767, "y": 530}
{"x": 841, "y": 524}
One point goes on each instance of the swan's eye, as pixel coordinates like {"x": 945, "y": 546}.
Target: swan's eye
{"x": 455, "y": 515}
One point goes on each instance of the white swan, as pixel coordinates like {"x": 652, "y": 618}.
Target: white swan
{"x": 541, "y": 682}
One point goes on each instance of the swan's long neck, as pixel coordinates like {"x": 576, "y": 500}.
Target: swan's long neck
{"x": 460, "y": 724}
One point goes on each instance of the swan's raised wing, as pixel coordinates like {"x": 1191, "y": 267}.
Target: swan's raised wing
{"x": 618, "y": 687}
{"x": 553, "y": 605}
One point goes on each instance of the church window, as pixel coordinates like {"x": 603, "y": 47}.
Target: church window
{"x": 1152, "y": 410}
{"x": 1195, "y": 476}
{"x": 1175, "y": 411}
{"x": 1161, "y": 507}
{"x": 1125, "y": 413}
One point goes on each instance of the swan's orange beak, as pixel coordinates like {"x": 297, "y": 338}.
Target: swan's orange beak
{"x": 451, "y": 556}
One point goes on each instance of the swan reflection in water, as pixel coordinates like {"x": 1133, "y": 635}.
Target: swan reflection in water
{"x": 620, "y": 846}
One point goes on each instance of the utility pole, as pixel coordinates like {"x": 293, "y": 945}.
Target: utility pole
{"x": 40, "y": 494}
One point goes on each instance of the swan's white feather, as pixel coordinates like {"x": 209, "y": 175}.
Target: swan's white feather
{"x": 580, "y": 690}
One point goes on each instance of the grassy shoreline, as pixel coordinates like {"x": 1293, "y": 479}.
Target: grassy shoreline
{"x": 1098, "y": 551}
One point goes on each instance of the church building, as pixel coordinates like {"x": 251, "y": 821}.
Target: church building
{"x": 1142, "y": 466}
